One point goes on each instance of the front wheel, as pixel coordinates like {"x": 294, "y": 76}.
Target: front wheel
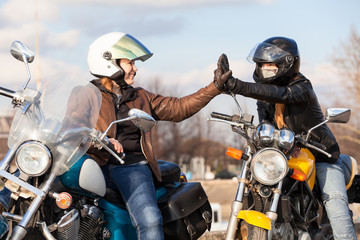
{"x": 251, "y": 232}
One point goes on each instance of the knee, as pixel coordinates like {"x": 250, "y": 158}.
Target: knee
{"x": 150, "y": 218}
{"x": 335, "y": 197}
{"x": 150, "y": 221}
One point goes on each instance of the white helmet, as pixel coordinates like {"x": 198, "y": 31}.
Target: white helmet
{"x": 104, "y": 51}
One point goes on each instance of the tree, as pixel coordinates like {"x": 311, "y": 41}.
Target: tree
{"x": 346, "y": 59}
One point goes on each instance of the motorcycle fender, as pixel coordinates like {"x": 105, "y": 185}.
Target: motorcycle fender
{"x": 255, "y": 218}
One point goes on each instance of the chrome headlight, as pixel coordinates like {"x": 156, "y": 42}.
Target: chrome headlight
{"x": 269, "y": 166}
{"x": 33, "y": 158}
{"x": 265, "y": 132}
{"x": 286, "y": 139}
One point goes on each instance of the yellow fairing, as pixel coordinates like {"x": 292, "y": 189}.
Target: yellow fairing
{"x": 305, "y": 162}
{"x": 255, "y": 218}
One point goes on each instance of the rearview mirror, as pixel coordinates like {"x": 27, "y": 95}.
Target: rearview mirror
{"x": 142, "y": 120}
{"x": 19, "y": 51}
{"x": 333, "y": 115}
{"x": 337, "y": 115}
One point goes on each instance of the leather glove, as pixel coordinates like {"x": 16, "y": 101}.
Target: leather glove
{"x": 222, "y": 73}
{"x": 223, "y": 79}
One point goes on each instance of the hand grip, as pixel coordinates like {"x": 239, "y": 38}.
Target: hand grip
{"x": 117, "y": 155}
{"x": 319, "y": 145}
{"x": 221, "y": 116}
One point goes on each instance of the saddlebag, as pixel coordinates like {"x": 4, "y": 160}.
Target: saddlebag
{"x": 186, "y": 212}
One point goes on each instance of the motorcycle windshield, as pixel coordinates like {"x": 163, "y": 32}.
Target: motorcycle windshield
{"x": 61, "y": 116}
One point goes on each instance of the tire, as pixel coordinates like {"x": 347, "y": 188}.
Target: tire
{"x": 251, "y": 232}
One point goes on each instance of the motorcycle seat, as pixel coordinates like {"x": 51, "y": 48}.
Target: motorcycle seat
{"x": 348, "y": 167}
{"x": 170, "y": 172}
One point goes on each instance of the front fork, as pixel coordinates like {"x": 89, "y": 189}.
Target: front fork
{"x": 236, "y": 207}
{"x": 20, "y": 230}
{"x": 238, "y": 202}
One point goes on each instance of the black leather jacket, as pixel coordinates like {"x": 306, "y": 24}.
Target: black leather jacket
{"x": 302, "y": 110}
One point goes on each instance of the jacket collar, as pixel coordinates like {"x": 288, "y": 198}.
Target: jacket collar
{"x": 106, "y": 85}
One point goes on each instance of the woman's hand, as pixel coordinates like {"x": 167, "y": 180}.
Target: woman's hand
{"x": 223, "y": 79}
{"x": 222, "y": 73}
{"x": 118, "y": 147}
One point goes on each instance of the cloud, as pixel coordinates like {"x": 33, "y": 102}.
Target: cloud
{"x": 169, "y": 4}
{"x": 18, "y": 22}
{"x": 16, "y": 12}
{"x": 322, "y": 75}
{"x": 13, "y": 72}
{"x": 68, "y": 39}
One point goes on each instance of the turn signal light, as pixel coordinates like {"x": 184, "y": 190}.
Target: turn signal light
{"x": 298, "y": 175}
{"x": 234, "y": 153}
{"x": 64, "y": 200}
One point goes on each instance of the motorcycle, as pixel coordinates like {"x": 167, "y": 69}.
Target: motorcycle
{"x": 58, "y": 191}
{"x": 277, "y": 195}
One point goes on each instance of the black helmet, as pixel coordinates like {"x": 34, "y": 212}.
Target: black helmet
{"x": 278, "y": 50}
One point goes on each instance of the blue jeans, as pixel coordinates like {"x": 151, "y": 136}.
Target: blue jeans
{"x": 5, "y": 194}
{"x": 332, "y": 185}
{"x": 5, "y": 198}
{"x": 137, "y": 188}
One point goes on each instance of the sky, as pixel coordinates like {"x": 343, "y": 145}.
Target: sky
{"x": 186, "y": 37}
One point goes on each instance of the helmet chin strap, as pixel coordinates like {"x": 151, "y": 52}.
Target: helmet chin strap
{"x": 119, "y": 79}
{"x": 121, "y": 82}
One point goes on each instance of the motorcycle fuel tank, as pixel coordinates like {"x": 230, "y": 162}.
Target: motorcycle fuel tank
{"x": 85, "y": 174}
{"x": 305, "y": 162}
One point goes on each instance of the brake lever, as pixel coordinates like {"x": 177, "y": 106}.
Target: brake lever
{"x": 308, "y": 145}
{"x": 104, "y": 143}
{"x": 318, "y": 149}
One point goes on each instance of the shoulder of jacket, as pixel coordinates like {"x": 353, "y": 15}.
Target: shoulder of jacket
{"x": 299, "y": 78}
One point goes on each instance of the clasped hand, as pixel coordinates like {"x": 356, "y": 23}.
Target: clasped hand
{"x": 223, "y": 78}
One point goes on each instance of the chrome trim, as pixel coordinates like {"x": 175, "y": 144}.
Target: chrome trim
{"x": 21, "y": 183}
{"x": 45, "y": 231}
{"x": 7, "y": 159}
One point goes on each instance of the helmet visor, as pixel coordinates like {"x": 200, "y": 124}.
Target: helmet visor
{"x": 130, "y": 48}
{"x": 266, "y": 53}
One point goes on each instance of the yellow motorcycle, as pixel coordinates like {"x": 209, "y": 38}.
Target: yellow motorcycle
{"x": 277, "y": 195}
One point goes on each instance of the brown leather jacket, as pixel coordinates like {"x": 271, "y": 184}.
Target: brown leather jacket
{"x": 159, "y": 107}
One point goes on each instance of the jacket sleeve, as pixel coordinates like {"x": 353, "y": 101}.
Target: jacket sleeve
{"x": 177, "y": 109}
{"x": 298, "y": 92}
{"x": 82, "y": 108}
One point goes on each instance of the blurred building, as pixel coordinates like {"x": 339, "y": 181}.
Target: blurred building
{"x": 5, "y": 123}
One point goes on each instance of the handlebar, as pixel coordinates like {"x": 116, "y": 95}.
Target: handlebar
{"x": 314, "y": 145}
{"x": 221, "y": 116}
{"x": 319, "y": 145}
{"x": 245, "y": 119}
{"x": 7, "y": 92}
{"x": 121, "y": 155}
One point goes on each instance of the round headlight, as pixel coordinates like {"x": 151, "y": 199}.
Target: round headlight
{"x": 269, "y": 166}
{"x": 286, "y": 139}
{"x": 33, "y": 158}
{"x": 265, "y": 132}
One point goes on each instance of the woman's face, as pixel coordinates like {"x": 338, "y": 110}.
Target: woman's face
{"x": 269, "y": 70}
{"x": 130, "y": 70}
